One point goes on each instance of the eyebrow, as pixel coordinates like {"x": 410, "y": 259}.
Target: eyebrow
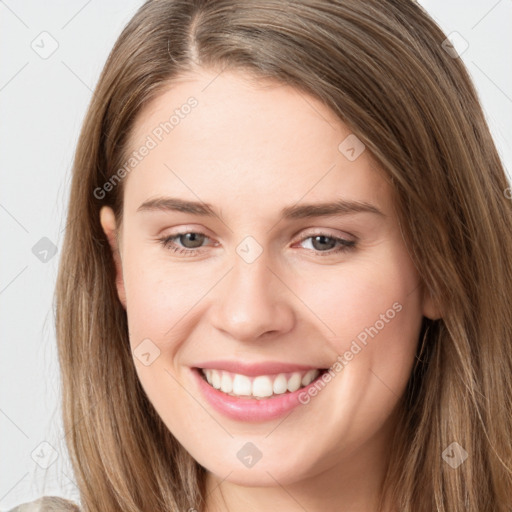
{"x": 302, "y": 211}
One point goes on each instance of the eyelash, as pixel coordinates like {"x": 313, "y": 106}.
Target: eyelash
{"x": 345, "y": 245}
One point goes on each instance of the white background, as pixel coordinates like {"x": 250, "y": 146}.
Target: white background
{"x": 42, "y": 104}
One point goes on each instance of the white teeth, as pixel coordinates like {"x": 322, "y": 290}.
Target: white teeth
{"x": 215, "y": 379}
{"x": 280, "y": 384}
{"x": 262, "y": 387}
{"x": 294, "y": 382}
{"x": 309, "y": 377}
{"x": 259, "y": 387}
{"x": 241, "y": 384}
{"x": 226, "y": 383}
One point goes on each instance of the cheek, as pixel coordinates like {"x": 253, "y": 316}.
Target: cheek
{"x": 371, "y": 314}
{"x": 369, "y": 298}
{"x": 159, "y": 294}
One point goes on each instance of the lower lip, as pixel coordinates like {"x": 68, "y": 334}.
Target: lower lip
{"x": 250, "y": 409}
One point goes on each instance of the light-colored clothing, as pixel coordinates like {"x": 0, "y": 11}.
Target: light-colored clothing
{"x": 47, "y": 504}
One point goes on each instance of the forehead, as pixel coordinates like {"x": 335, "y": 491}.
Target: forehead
{"x": 230, "y": 137}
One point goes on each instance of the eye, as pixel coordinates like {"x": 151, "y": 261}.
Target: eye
{"x": 324, "y": 244}
{"x": 191, "y": 239}
{"x": 191, "y": 243}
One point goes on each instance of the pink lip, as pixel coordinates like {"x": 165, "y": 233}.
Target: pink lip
{"x": 250, "y": 409}
{"x": 254, "y": 369}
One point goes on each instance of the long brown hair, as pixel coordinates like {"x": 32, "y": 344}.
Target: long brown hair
{"x": 381, "y": 67}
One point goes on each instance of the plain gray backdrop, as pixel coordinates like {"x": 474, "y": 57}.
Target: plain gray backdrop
{"x": 51, "y": 56}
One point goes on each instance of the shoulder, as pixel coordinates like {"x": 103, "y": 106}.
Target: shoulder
{"x": 47, "y": 504}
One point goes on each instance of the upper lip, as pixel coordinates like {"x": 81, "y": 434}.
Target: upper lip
{"x": 255, "y": 369}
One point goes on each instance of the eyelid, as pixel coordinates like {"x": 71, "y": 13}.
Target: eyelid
{"x": 183, "y": 229}
{"x": 297, "y": 237}
{"x": 331, "y": 232}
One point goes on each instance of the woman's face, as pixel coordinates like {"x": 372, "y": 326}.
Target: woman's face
{"x": 270, "y": 284}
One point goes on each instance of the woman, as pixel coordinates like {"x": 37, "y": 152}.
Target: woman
{"x": 285, "y": 282}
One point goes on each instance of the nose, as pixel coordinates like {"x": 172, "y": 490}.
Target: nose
{"x": 252, "y": 302}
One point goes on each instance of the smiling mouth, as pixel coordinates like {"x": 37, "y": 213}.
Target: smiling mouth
{"x": 261, "y": 386}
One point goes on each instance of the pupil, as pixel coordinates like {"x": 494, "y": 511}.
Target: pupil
{"x": 323, "y": 238}
{"x": 195, "y": 238}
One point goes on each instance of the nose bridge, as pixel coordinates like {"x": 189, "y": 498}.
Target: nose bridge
{"x": 252, "y": 300}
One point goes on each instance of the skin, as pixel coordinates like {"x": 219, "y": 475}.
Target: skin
{"x": 250, "y": 149}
